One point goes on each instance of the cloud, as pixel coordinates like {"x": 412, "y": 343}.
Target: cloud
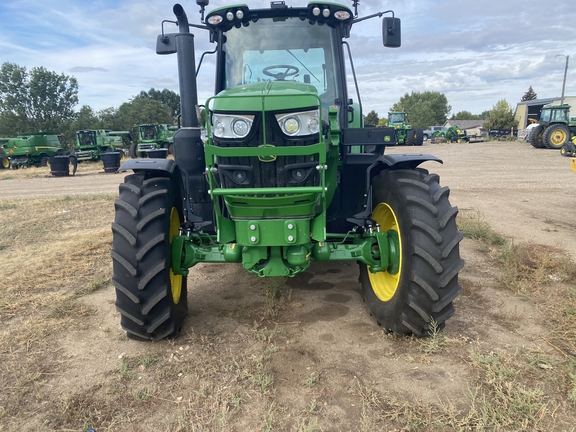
{"x": 475, "y": 52}
{"x": 81, "y": 69}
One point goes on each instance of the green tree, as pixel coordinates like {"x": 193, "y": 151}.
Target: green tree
{"x": 167, "y": 97}
{"x": 371, "y": 118}
{"x": 39, "y": 100}
{"x": 141, "y": 111}
{"x": 86, "y": 119}
{"x": 465, "y": 115}
{"x": 529, "y": 95}
{"x": 382, "y": 122}
{"x": 109, "y": 119}
{"x": 424, "y": 109}
{"x": 501, "y": 117}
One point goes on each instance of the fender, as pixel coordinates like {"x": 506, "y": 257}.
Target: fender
{"x": 390, "y": 162}
{"x": 396, "y": 161}
{"x": 166, "y": 165}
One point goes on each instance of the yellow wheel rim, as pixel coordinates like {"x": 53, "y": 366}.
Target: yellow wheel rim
{"x": 383, "y": 283}
{"x": 5, "y": 162}
{"x": 175, "y": 279}
{"x": 558, "y": 137}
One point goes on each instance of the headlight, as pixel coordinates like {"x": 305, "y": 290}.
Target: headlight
{"x": 231, "y": 126}
{"x": 300, "y": 123}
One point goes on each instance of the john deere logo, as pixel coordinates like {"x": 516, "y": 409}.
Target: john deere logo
{"x": 266, "y": 158}
{"x": 387, "y": 138}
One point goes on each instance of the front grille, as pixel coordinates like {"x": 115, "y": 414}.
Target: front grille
{"x": 252, "y": 172}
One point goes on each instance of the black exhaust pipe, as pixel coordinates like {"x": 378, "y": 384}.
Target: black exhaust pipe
{"x": 188, "y": 145}
{"x": 186, "y": 69}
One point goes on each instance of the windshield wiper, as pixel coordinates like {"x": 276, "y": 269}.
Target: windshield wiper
{"x": 298, "y": 60}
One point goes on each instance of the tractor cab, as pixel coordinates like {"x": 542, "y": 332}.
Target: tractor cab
{"x": 554, "y": 114}
{"x": 395, "y": 118}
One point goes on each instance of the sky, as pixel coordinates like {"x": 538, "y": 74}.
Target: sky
{"x": 476, "y": 52}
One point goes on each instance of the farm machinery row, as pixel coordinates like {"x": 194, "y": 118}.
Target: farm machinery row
{"x": 90, "y": 144}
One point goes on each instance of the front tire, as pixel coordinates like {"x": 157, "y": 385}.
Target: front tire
{"x": 412, "y": 203}
{"x": 151, "y": 299}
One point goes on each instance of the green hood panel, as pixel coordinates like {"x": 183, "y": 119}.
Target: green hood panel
{"x": 266, "y": 96}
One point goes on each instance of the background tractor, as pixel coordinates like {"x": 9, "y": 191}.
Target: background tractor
{"x": 405, "y": 133}
{"x": 456, "y": 134}
{"x": 555, "y": 127}
{"x": 90, "y": 144}
{"x": 29, "y": 150}
{"x": 152, "y": 137}
{"x": 280, "y": 175}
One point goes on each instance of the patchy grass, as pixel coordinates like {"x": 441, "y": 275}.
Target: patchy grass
{"x": 84, "y": 168}
{"x": 226, "y": 377}
{"x": 474, "y": 226}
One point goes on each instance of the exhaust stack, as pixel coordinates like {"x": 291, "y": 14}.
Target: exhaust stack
{"x": 186, "y": 69}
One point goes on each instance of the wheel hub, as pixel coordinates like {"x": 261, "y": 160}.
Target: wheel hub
{"x": 385, "y": 283}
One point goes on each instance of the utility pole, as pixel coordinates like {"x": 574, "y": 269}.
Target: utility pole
{"x": 565, "y": 71}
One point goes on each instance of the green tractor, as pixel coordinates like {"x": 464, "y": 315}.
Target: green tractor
{"x": 281, "y": 175}
{"x": 405, "y": 133}
{"x": 555, "y": 127}
{"x": 456, "y": 134}
{"x": 153, "y": 137}
{"x": 90, "y": 144}
{"x": 4, "y": 161}
{"x": 29, "y": 150}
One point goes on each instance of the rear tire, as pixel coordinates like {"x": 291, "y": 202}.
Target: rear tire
{"x": 151, "y": 299}
{"x": 132, "y": 151}
{"x": 412, "y": 203}
{"x": 536, "y": 137}
{"x": 418, "y": 137}
{"x": 555, "y": 136}
{"x": 410, "y": 137}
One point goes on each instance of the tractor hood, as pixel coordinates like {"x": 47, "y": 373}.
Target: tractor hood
{"x": 266, "y": 96}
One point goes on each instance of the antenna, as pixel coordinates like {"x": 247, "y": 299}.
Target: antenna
{"x": 202, "y": 4}
{"x": 355, "y": 4}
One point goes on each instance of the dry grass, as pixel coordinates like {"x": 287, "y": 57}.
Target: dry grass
{"x": 84, "y": 168}
{"x": 56, "y": 251}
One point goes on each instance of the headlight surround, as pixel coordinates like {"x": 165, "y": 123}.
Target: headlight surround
{"x": 231, "y": 126}
{"x": 299, "y": 123}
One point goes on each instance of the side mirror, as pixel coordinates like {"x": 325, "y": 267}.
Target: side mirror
{"x": 166, "y": 44}
{"x": 391, "y": 35}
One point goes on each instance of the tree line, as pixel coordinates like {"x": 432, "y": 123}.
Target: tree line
{"x": 39, "y": 100}
{"x": 429, "y": 108}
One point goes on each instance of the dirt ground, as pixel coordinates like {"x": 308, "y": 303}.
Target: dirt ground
{"x": 316, "y": 359}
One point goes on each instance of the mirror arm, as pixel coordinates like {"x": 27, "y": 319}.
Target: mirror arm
{"x": 379, "y": 14}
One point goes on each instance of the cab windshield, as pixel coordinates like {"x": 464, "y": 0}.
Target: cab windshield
{"x": 396, "y": 118}
{"x": 291, "y": 50}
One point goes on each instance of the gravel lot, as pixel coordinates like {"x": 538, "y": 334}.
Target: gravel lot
{"x": 523, "y": 192}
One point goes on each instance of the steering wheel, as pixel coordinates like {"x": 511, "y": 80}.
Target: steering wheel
{"x": 289, "y": 71}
